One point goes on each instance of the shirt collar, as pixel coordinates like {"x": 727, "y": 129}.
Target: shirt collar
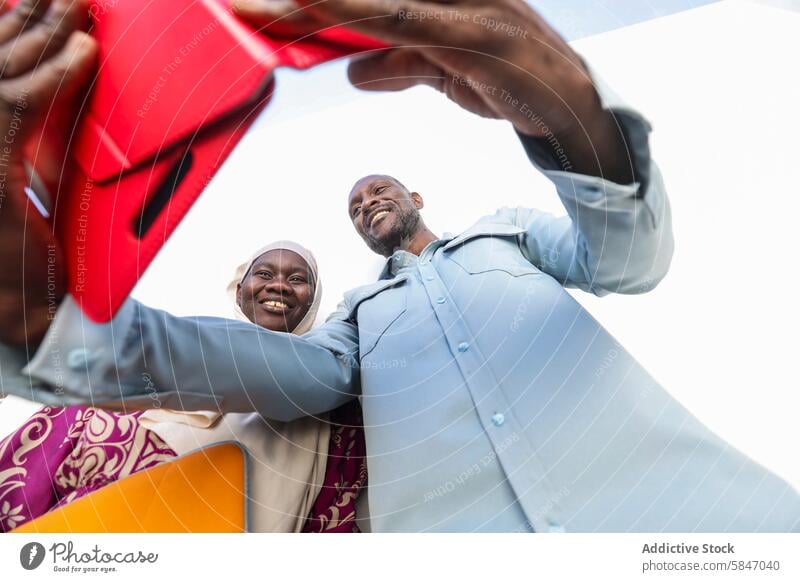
{"x": 397, "y": 261}
{"x": 401, "y": 259}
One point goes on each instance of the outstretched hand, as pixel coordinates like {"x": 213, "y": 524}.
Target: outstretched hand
{"x": 496, "y": 58}
{"x": 44, "y": 60}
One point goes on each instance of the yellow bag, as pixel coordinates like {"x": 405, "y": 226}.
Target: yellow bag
{"x": 203, "y": 491}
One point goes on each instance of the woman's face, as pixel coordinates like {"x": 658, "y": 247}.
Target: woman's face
{"x": 277, "y": 291}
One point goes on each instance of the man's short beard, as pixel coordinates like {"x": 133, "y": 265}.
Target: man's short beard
{"x": 405, "y": 227}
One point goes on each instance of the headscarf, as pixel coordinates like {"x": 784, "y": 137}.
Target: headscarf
{"x": 289, "y": 459}
{"x": 241, "y": 272}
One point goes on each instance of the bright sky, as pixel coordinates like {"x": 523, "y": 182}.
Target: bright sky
{"x": 721, "y": 333}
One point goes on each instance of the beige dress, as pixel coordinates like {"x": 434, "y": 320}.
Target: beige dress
{"x": 286, "y": 465}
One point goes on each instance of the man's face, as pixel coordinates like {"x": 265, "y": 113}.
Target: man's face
{"x": 384, "y": 213}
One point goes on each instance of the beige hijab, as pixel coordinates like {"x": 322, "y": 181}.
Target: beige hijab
{"x": 288, "y": 460}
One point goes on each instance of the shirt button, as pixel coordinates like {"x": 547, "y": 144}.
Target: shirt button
{"x": 78, "y": 359}
{"x": 555, "y": 528}
{"x": 429, "y": 277}
{"x": 440, "y": 299}
{"x": 498, "y": 419}
{"x": 463, "y": 347}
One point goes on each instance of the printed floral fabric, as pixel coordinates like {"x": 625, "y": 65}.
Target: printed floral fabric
{"x": 61, "y": 454}
{"x": 334, "y": 510}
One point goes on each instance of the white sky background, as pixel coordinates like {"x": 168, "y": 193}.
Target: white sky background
{"x": 720, "y": 85}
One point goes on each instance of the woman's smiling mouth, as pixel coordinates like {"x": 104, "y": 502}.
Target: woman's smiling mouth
{"x": 275, "y": 305}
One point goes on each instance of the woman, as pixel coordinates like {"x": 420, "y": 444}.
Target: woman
{"x": 305, "y": 475}
{"x": 279, "y": 289}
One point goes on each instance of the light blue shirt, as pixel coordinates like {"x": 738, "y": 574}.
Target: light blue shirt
{"x": 492, "y": 400}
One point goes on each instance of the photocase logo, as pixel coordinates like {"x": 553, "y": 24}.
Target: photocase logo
{"x": 31, "y": 555}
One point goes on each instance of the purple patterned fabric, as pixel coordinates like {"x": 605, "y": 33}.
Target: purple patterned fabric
{"x": 334, "y": 510}
{"x": 61, "y": 454}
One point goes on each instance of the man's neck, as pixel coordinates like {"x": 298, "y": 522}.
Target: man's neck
{"x": 417, "y": 243}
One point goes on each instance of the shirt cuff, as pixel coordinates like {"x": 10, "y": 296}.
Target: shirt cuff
{"x": 552, "y": 161}
{"x": 72, "y": 348}
{"x": 83, "y": 362}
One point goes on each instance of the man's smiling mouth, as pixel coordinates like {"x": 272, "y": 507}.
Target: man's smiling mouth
{"x": 378, "y": 216}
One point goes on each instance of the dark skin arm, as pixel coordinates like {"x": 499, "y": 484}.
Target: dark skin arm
{"x": 45, "y": 59}
{"x": 495, "y": 58}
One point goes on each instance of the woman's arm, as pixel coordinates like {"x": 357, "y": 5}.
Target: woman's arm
{"x": 45, "y": 60}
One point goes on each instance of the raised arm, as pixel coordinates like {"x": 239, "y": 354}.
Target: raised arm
{"x": 146, "y": 357}
{"x": 495, "y": 58}
{"x": 500, "y": 59}
{"x": 616, "y": 238}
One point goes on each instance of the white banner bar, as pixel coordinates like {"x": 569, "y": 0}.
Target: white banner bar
{"x": 230, "y": 558}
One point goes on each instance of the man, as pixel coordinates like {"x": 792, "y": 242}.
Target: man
{"x": 492, "y": 400}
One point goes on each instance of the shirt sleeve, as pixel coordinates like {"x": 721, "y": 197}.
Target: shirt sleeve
{"x": 147, "y": 358}
{"x": 616, "y": 238}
